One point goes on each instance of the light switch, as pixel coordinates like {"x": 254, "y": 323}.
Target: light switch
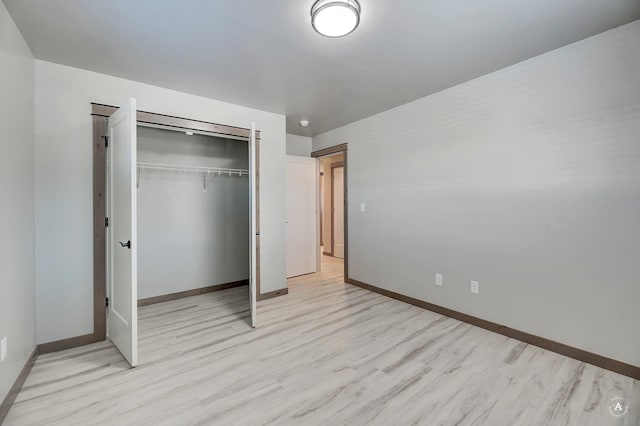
{"x": 439, "y": 279}
{"x": 362, "y": 207}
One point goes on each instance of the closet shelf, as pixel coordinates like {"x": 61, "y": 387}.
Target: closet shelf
{"x": 173, "y": 168}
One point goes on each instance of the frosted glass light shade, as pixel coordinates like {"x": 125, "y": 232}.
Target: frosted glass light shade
{"x": 335, "y": 18}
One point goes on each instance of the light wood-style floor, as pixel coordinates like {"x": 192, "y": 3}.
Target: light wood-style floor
{"x": 326, "y": 354}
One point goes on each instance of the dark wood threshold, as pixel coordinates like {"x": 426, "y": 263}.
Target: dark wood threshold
{"x": 189, "y": 293}
{"x": 616, "y": 366}
{"x": 71, "y": 342}
{"x": 302, "y": 275}
{"x": 8, "y": 400}
{"x": 335, "y": 257}
{"x": 272, "y": 294}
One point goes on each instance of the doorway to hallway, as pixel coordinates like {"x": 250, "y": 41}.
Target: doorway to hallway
{"x": 333, "y": 205}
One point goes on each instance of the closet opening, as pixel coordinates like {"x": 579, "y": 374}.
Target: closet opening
{"x": 193, "y": 214}
{"x": 191, "y": 192}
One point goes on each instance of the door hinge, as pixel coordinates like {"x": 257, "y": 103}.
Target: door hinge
{"x": 106, "y": 222}
{"x": 106, "y": 141}
{"x": 106, "y": 302}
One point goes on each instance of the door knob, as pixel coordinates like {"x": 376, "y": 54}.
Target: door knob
{"x": 127, "y": 244}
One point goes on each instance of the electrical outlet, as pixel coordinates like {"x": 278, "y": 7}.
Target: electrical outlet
{"x": 363, "y": 207}
{"x": 3, "y": 349}
{"x": 475, "y": 287}
{"x": 438, "y": 279}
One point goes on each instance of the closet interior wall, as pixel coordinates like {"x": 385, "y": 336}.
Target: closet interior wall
{"x": 193, "y": 228}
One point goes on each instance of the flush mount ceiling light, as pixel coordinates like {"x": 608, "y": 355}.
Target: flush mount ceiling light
{"x": 335, "y": 18}
{"x": 304, "y": 123}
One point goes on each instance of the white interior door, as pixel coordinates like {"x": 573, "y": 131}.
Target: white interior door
{"x": 123, "y": 268}
{"x": 302, "y": 243}
{"x": 253, "y": 230}
{"x": 338, "y": 211}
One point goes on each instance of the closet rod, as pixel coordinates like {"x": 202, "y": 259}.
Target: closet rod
{"x": 172, "y": 168}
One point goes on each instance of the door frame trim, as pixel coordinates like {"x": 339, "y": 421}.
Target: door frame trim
{"x": 344, "y": 149}
{"x": 99, "y": 115}
{"x": 333, "y": 217}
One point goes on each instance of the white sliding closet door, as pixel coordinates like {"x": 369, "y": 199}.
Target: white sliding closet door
{"x": 253, "y": 228}
{"x": 123, "y": 241}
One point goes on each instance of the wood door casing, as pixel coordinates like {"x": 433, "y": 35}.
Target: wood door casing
{"x": 334, "y": 252}
{"x": 344, "y": 150}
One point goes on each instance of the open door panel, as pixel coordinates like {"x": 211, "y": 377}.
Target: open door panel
{"x": 122, "y": 241}
{"x": 253, "y": 233}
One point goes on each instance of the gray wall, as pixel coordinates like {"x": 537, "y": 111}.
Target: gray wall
{"x": 527, "y": 180}
{"x": 64, "y": 191}
{"x": 17, "y": 281}
{"x": 189, "y": 237}
{"x": 298, "y": 145}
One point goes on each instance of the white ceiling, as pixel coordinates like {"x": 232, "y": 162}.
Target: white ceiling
{"x": 265, "y": 54}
